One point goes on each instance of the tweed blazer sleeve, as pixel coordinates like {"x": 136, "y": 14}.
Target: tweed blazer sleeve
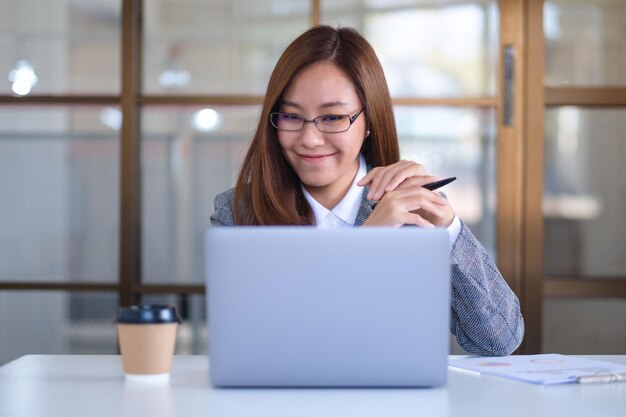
{"x": 485, "y": 313}
{"x": 486, "y": 317}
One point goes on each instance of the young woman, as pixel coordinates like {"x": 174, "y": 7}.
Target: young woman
{"x": 325, "y": 153}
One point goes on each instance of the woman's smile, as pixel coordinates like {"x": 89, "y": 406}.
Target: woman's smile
{"x": 315, "y": 157}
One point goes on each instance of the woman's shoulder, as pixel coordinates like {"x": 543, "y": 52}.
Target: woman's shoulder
{"x": 224, "y": 198}
{"x": 223, "y": 215}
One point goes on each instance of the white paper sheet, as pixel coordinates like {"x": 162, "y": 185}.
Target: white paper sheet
{"x": 538, "y": 369}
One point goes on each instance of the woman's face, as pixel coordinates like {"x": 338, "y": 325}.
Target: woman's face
{"x": 326, "y": 163}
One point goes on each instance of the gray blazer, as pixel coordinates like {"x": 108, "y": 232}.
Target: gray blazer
{"x": 486, "y": 317}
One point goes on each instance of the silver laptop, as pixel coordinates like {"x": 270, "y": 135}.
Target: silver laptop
{"x": 308, "y": 307}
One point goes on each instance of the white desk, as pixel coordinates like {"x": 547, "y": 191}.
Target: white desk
{"x": 67, "y": 386}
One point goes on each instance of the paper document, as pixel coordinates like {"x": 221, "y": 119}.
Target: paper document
{"x": 544, "y": 369}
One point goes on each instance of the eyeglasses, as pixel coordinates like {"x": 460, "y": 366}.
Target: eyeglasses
{"x": 328, "y": 123}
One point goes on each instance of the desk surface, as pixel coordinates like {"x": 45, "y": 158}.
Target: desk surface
{"x": 69, "y": 386}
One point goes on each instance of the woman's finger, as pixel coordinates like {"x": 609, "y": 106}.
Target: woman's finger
{"x": 389, "y": 177}
{"x": 368, "y": 178}
{"x": 404, "y": 172}
{"x": 417, "y": 220}
{"x": 413, "y": 200}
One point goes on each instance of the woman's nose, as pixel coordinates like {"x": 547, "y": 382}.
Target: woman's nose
{"x": 311, "y": 136}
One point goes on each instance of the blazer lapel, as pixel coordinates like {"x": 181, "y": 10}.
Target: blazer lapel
{"x": 367, "y": 206}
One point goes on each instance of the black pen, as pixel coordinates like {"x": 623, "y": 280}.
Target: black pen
{"x": 431, "y": 186}
{"x": 438, "y": 184}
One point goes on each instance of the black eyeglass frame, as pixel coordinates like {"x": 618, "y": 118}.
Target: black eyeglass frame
{"x": 316, "y": 120}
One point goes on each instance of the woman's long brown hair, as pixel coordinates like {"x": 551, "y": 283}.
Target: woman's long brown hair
{"x": 268, "y": 191}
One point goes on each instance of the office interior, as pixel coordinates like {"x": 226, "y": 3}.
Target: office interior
{"x": 120, "y": 120}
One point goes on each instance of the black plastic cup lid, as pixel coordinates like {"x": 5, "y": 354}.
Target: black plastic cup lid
{"x": 148, "y": 314}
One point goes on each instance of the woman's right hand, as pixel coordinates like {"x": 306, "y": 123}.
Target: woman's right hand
{"x": 403, "y": 199}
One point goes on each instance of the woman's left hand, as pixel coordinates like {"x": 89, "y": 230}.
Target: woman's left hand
{"x": 405, "y": 175}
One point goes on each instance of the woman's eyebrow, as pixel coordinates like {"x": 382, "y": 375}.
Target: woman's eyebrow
{"x": 290, "y": 104}
{"x": 323, "y": 106}
{"x": 334, "y": 104}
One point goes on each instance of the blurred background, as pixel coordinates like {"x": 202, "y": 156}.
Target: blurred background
{"x": 202, "y": 67}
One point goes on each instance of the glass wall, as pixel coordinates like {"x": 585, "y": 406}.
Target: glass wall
{"x": 585, "y": 190}
{"x": 561, "y": 315}
{"x": 59, "y": 46}
{"x": 189, "y": 155}
{"x": 423, "y": 56}
{"x": 53, "y": 322}
{"x": 584, "y": 225}
{"x": 217, "y": 46}
{"x": 585, "y": 43}
{"x": 59, "y": 181}
{"x": 584, "y": 184}
{"x": 60, "y": 161}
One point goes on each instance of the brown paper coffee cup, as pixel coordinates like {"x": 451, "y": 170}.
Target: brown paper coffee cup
{"x": 147, "y": 337}
{"x": 147, "y": 349}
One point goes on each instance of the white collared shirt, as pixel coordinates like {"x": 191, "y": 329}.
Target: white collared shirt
{"x": 344, "y": 214}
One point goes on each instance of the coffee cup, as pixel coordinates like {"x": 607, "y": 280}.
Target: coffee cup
{"x": 147, "y": 337}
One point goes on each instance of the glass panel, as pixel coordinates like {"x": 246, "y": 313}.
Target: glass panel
{"x": 59, "y": 46}
{"x": 38, "y": 322}
{"x": 189, "y": 155}
{"x": 585, "y": 42}
{"x": 422, "y": 56}
{"x": 217, "y": 46}
{"x": 456, "y": 142}
{"x": 598, "y": 322}
{"x": 59, "y": 182}
{"x": 191, "y": 338}
{"x": 584, "y": 192}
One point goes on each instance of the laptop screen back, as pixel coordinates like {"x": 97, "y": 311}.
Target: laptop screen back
{"x": 300, "y": 306}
